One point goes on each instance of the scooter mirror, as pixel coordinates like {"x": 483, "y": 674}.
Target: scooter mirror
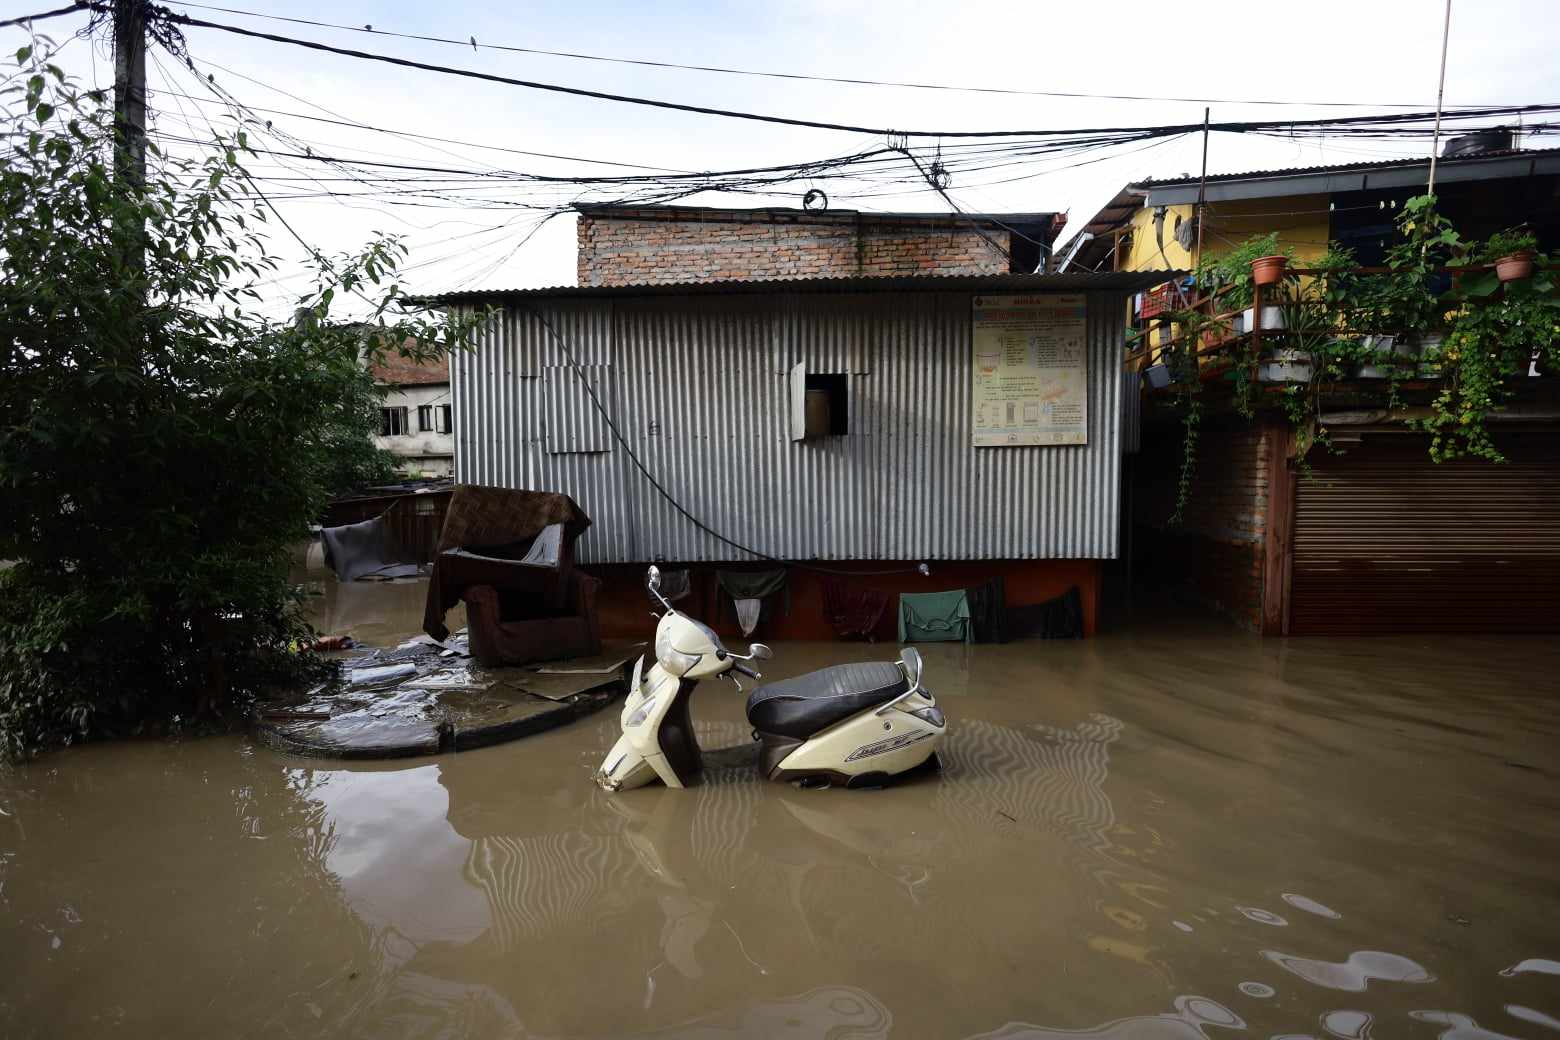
{"x": 910, "y": 658}
{"x": 760, "y": 652}
{"x": 653, "y": 578}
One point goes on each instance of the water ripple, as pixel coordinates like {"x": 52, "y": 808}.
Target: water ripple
{"x": 1348, "y": 1025}
{"x": 1458, "y": 1027}
{"x": 1310, "y": 906}
{"x": 1354, "y": 974}
{"x": 1533, "y": 964}
{"x": 1187, "y": 1022}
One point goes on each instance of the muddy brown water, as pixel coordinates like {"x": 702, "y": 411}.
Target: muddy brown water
{"x": 1167, "y": 834}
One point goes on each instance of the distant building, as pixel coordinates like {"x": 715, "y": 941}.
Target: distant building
{"x": 417, "y": 418}
{"x": 661, "y": 245}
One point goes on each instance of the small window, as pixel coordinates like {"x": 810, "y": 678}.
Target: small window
{"x": 392, "y": 422}
{"x": 828, "y": 414}
{"x": 820, "y": 404}
{"x": 424, "y": 418}
{"x": 446, "y": 418}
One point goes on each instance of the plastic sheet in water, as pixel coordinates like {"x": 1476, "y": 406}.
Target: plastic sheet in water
{"x": 380, "y": 675}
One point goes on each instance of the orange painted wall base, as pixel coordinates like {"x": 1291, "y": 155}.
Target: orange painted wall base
{"x": 623, "y": 606}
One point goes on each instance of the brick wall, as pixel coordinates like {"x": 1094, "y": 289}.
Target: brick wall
{"x": 626, "y": 250}
{"x": 1214, "y": 557}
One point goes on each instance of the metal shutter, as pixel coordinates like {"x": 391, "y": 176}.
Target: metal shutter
{"x": 1386, "y": 540}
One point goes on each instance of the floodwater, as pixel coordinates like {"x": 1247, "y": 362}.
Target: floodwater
{"x": 1180, "y": 833}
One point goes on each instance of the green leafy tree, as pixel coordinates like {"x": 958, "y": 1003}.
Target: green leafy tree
{"x": 163, "y": 445}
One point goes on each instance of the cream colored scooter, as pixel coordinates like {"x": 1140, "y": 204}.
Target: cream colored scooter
{"x": 852, "y": 724}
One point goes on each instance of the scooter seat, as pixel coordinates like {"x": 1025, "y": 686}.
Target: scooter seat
{"x": 809, "y": 703}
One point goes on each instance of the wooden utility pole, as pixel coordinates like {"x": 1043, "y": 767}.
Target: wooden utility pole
{"x": 1440, "y": 97}
{"x": 130, "y": 121}
{"x": 1202, "y": 193}
{"x": 130, "y": 91}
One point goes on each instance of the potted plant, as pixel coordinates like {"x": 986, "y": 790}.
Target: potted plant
{"x": 1512, "y": 253}
{"x": 1231, "y": 277}
{"x": 1308, "y": 331}
{"x": 1269, "y": 270}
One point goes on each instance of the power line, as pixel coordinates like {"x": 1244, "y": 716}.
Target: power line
{"x": 849, "y": 80}
{"x": 1127, "y": 133}
{"x": 42, "y": 15}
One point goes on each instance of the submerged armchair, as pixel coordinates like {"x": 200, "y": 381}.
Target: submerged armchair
{"x": 524, "y": 600}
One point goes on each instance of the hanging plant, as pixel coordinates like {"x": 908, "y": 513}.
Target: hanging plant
{"x": 1499, "y": 331}
{"x": 1193, "y": 327}
{"x": 1513, "y": 253}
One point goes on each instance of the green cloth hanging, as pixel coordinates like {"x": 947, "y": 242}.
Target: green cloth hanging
{"x": 935, "y": 617}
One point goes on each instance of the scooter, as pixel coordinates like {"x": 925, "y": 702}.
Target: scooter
{"x": 852, "y": 724}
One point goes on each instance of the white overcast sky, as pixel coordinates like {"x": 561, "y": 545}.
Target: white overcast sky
{"x": 1369, "y": 52}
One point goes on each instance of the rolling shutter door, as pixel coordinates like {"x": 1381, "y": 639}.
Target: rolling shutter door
{"x": 1386, "y": 540}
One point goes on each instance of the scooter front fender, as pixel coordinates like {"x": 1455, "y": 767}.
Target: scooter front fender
{"x": 624, "y": 768}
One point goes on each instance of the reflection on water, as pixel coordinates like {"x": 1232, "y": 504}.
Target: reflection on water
{"x": 1354, "y": 974}
{"x": 1189, "y": 1020}
{"x": 1458, "y": 1027}
{"x": 1117, "y": 825}
{"x": 1348, "y": 1025}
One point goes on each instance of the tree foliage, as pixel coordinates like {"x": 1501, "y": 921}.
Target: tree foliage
{"x": 163, "y": 445}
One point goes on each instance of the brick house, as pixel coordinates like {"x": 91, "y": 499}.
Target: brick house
{"x": 661, "y": 245}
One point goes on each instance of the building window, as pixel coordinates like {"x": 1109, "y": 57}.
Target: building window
{"x": 820, "y": 404}
{"x": 424, "y": 418}
{"x": 828, "y": 415}
{"x": 392, "y": 422}
{"x": 446, "y": 419}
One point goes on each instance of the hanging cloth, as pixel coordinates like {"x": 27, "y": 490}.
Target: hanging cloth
{"x": 935, "y": 617}
{"x": 987, "y": 611}
{"x": 747, "y": 614}
{"x": 853, "y": 611}
{"x": 754, "y": 585}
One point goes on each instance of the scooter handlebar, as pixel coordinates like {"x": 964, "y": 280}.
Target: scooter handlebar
{"x": 742, "y": 669}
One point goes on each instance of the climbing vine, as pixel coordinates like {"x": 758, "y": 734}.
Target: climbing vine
{"x": 1435, "y": 312}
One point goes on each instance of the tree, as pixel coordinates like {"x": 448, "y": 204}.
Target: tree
{"x": 163, "y": 445}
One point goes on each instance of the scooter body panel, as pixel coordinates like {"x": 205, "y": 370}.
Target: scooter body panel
{"x": 893, "y": 742}
{"x": 657, "y": 740}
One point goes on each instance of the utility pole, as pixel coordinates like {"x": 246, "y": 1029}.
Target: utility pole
{"x": 130, "y": 91}
{"x": 1202, "y": 190}
{"x": 1440, "y": 94}
{"x": 130, "y": 120}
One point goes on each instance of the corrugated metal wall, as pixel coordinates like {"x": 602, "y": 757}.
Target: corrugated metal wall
{"x": 698, "y": 388}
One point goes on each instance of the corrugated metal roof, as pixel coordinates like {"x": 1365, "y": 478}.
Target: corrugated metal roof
{"x": 792, "y": 213}
{"x": 1388, "y": 164}
{"x": 1081, "y": 281}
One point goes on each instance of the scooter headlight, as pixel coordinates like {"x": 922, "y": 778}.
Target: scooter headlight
{"x": 932, "y": 714}
{"x": 672, "y": 659}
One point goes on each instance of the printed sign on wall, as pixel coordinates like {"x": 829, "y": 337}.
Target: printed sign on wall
{"x": 1031, "y": 370}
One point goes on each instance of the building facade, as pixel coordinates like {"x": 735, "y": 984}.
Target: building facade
{"x": 661, "y": 245}
{"x": 417, "y": 415}
{"x": 703, "y": 386}
{"x": 1372, "y": 537}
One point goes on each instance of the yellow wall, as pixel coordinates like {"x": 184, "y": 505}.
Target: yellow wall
{"x": 1300, "y": 220}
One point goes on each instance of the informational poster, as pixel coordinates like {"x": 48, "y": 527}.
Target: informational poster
{"x": 1031, "y": 370}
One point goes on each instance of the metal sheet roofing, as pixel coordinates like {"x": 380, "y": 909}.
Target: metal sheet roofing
{"x": 1081, "y": 281}
{"x": 1298, "y": 180}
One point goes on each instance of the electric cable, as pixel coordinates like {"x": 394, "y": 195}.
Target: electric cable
{"x": 1128, "y": 132}
{"x": 579, "y": 373}
{"x": 43, "y": 15}
{"x": 849, "y": 80}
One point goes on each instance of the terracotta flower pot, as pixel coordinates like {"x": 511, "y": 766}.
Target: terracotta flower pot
{"x": 1517, "y": 266}
{"x": 1268, "y": 270}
